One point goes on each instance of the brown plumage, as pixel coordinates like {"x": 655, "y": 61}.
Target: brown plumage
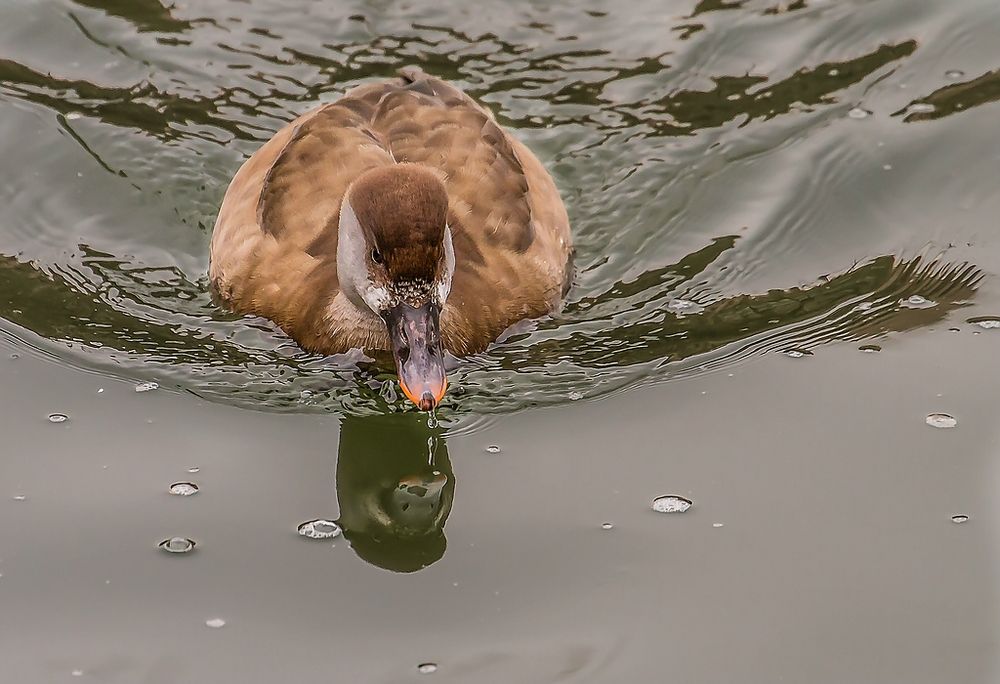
{"x": 422, "y": 152}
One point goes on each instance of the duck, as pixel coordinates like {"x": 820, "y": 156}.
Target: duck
{"x": 400, "y": 218}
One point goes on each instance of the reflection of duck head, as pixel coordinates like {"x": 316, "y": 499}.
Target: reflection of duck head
{"x": 395, "y": 488}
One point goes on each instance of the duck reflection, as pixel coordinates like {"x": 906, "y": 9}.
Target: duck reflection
{"x": 395, "y": 488}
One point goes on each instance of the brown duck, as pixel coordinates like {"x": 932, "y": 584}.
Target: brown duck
{"x": 401, "y": 217}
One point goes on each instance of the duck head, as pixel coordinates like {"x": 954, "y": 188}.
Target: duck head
{"x": 395, "y": 258}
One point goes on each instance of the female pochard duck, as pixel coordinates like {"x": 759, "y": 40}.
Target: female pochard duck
{"x": 401, "y": 217}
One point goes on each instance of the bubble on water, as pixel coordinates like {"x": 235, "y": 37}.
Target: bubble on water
{"x": 432, "y": 420}
{"x": 959, "y": 518}
{"x": 58, "y": 417}
{"x": 671, "y": 504}
{"x": 922, "y": 108}
{"x": 954, "y": 74}
{"x": 858, "y": 113}
{"x": 870, "y": 348}
{"x": 20, "y": 497}
{"x": 607, "y": 526}
{"x": 716, "y": 524}
{"x": 833, "y": 72}
{"x": 917, "y": 302}
{"x": 72, "y": 116}
{"x": 183, "y": 489}
{"x": 215, "y": 623}
{"x": 15, "y": 356}
{"x": 575, "y": 396}
{"x": 493, "y": 449}
{"x": 319, "y": 529}
{"x": 941, "y": 420}
{"x": 797, "y": 353}
{"x": 427, "y": 668}
{"x": 147, "y": 386}
{"x": 985, "y": 322}
{"x": 887, "y": 167}
{"x": 194, "y": 469}
{"x": 177, "y": 545}
{"x": 77, "y": 673}
{"x": 684, "y": 306}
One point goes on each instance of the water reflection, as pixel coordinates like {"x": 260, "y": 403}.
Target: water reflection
{"x": 395, "y": 489}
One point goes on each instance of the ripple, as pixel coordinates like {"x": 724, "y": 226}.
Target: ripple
{"x": 671, "y": 504}
{"x": 941, "y": 420}
{"x": 319, "y": 529}
{"x": 178, "y": 545}
{"x": 870, "y": 348}
{"x": 183, "y": 489}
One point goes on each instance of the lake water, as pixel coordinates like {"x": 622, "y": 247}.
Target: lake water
{"x": 784, "y": 311}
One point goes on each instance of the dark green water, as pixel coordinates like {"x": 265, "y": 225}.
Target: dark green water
{"x": 745, "y": 179}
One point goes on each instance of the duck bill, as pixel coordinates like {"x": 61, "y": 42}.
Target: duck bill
{"x": 416, "y": 346}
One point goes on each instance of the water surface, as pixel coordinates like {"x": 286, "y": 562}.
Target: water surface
{"x": 757, "y": 190}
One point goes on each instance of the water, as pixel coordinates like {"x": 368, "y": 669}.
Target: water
{"x": 427, "y": 668}
{"x": 215, "y": 623}
{"x": 146, "y": 386}
{"x": 744, "y": 178}
{"x": 58, "y": 417}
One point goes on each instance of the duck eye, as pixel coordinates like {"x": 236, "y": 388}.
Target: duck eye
{"x": 376, "y": 256}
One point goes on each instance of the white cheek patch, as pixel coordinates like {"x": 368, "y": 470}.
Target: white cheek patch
{"x": 443, "y": 284}
{"x": 353, "y": 263}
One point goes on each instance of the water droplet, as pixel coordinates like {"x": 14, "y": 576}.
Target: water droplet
{"x": 870, "y": 348}
{"x": 20, "y": 497}
{"x": 194, "y": 469}
{"x": 941, "y": 420}
{"x": 797, "y": 353}
{"x": 183, "y": 488}
{"x": 319, "y": 529}
{"x": 858, "y": 113}
{"x": 58, "y": 417}
{"x": 922, "y": 108}
{"x": 100, "y": 390}
{"x": 959, "y": 518}
{"x": 716, "y": 524}
{"x": 985, "y": 322}
{"x": 147, "y": 386}
{"x": 177, "y": 545}
{"x": 215, "y": 623}
{"x": 607, "y": 526}
{"x": 575, "y": 396}
{"x": 954, "y": 74}
{"x": 427, "y": 668}
{"x": 671, "y": 504}
{"x": 917, "y": 302}
{"x": 493, "y": 449}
